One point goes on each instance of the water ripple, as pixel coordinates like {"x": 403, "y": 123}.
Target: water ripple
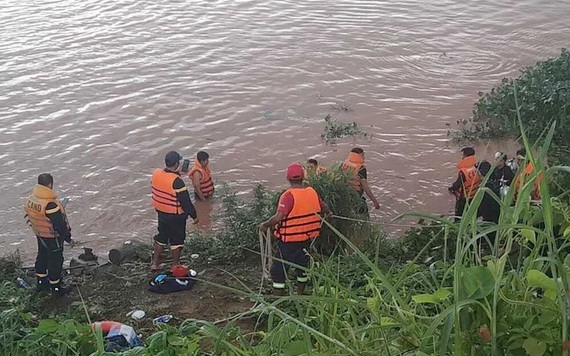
{"x": 97, "y": 91}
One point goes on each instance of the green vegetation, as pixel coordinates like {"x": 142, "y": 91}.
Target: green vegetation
{"x": 334, "y": 130}
{"x": 543, "y": 94}
{"x": 239, "y": 236}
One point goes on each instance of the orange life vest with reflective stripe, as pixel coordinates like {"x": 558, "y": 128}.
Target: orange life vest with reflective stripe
{"x": 163, "y": 194}
{"x": 471, "y": 181}
{"x": 36, "y": 211}
{"x": 353, "y": 164}
{"x": 471, "y": 178}
{"x": 519, "y": 181}
{"x": 206, "y": 183}
{"x": 301, "y": 223}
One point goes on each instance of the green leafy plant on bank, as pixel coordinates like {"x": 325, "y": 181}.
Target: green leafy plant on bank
{"x": 240, "y": 219}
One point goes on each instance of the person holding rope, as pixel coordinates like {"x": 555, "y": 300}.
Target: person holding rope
{"x": 296, "y": 222}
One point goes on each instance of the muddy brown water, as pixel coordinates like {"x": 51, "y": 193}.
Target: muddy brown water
{"x": 97, "y": 91}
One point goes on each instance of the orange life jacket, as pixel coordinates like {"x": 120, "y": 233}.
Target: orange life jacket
{"x": 301, "y": 223}
{"x": 36, "y": 211}
{"x": 472, "y": 180}
{"x": 206, "y": 183}
{"x": 353, "y": 164}
{"x": 163, "y": 194}
{"x": 520, "y": 178}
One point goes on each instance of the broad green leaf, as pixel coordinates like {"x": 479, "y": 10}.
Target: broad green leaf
{"x": 294, "y": 348}
{"x": 493, "y": 267}
{"x": 477, "y": 282}
{"x": 533, "y": 347}
{"x": 540, "y": 280}
{"x": 567, "y": 233}
{"x": 424, "y": 298}
{"x": 435, "y": 297}
{"x": 373, "y": 303}
{"x": 177, "y": 340}
{"x": 48, "y": 325}
{"x": 529, "y": 235}
{"x": 442, "y": 293}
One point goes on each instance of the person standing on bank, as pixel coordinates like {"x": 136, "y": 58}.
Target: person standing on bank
{"x": 172, "y": 202}
{"x": 502, "y": 172}
{"x": 523, "y": 175}
{"x": 295, "y": 223}
{"x": 201, "y": 177}
{"x": 359, "y": 179}
{"x": 45, "y": 214}
{"x": 468, "y": 180}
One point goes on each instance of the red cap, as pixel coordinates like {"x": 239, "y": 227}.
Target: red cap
{"x": 295, "y": 171}
{"x": 179, "y": 271}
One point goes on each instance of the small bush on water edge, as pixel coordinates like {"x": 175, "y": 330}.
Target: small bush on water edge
{"x": 334, "y": 130}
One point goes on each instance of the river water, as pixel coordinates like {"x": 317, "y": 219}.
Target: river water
{"x": 96, "y": 92}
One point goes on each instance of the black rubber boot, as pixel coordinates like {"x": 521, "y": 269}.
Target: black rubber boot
{"x": 59, "y": 290}
{"x": 42, "y": 284}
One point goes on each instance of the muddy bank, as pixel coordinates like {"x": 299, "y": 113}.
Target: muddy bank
{"x": 110, "y": 292}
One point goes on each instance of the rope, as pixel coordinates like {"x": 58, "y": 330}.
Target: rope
{"x": 266, "y": 253}
{"x": 378, "y": 223}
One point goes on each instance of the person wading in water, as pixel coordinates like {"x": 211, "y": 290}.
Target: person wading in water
{"x": 359, "y": 178}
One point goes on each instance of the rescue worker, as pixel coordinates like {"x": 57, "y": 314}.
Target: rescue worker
{"x": 359, "y": 179}
{"x": 201, "y": 177}
{"x": 468, "y": 180}
{"x": 172, "y": 202}
{"x": 489, "y": 208}
{"x": 502, "y": 172}
{"x": 522, "y": 173}
{"x": 313, "y": 167}
{"x": 46, "y": 216}
{"x": 295, "y": 223}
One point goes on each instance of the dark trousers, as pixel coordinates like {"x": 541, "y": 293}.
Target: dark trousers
{"x": 171, "y": 229}
{"x": 293, "y": 252}
{"x": 363, "y": 207}
{"x": 49, "y": 260}
{"x": 459, "y": 206}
